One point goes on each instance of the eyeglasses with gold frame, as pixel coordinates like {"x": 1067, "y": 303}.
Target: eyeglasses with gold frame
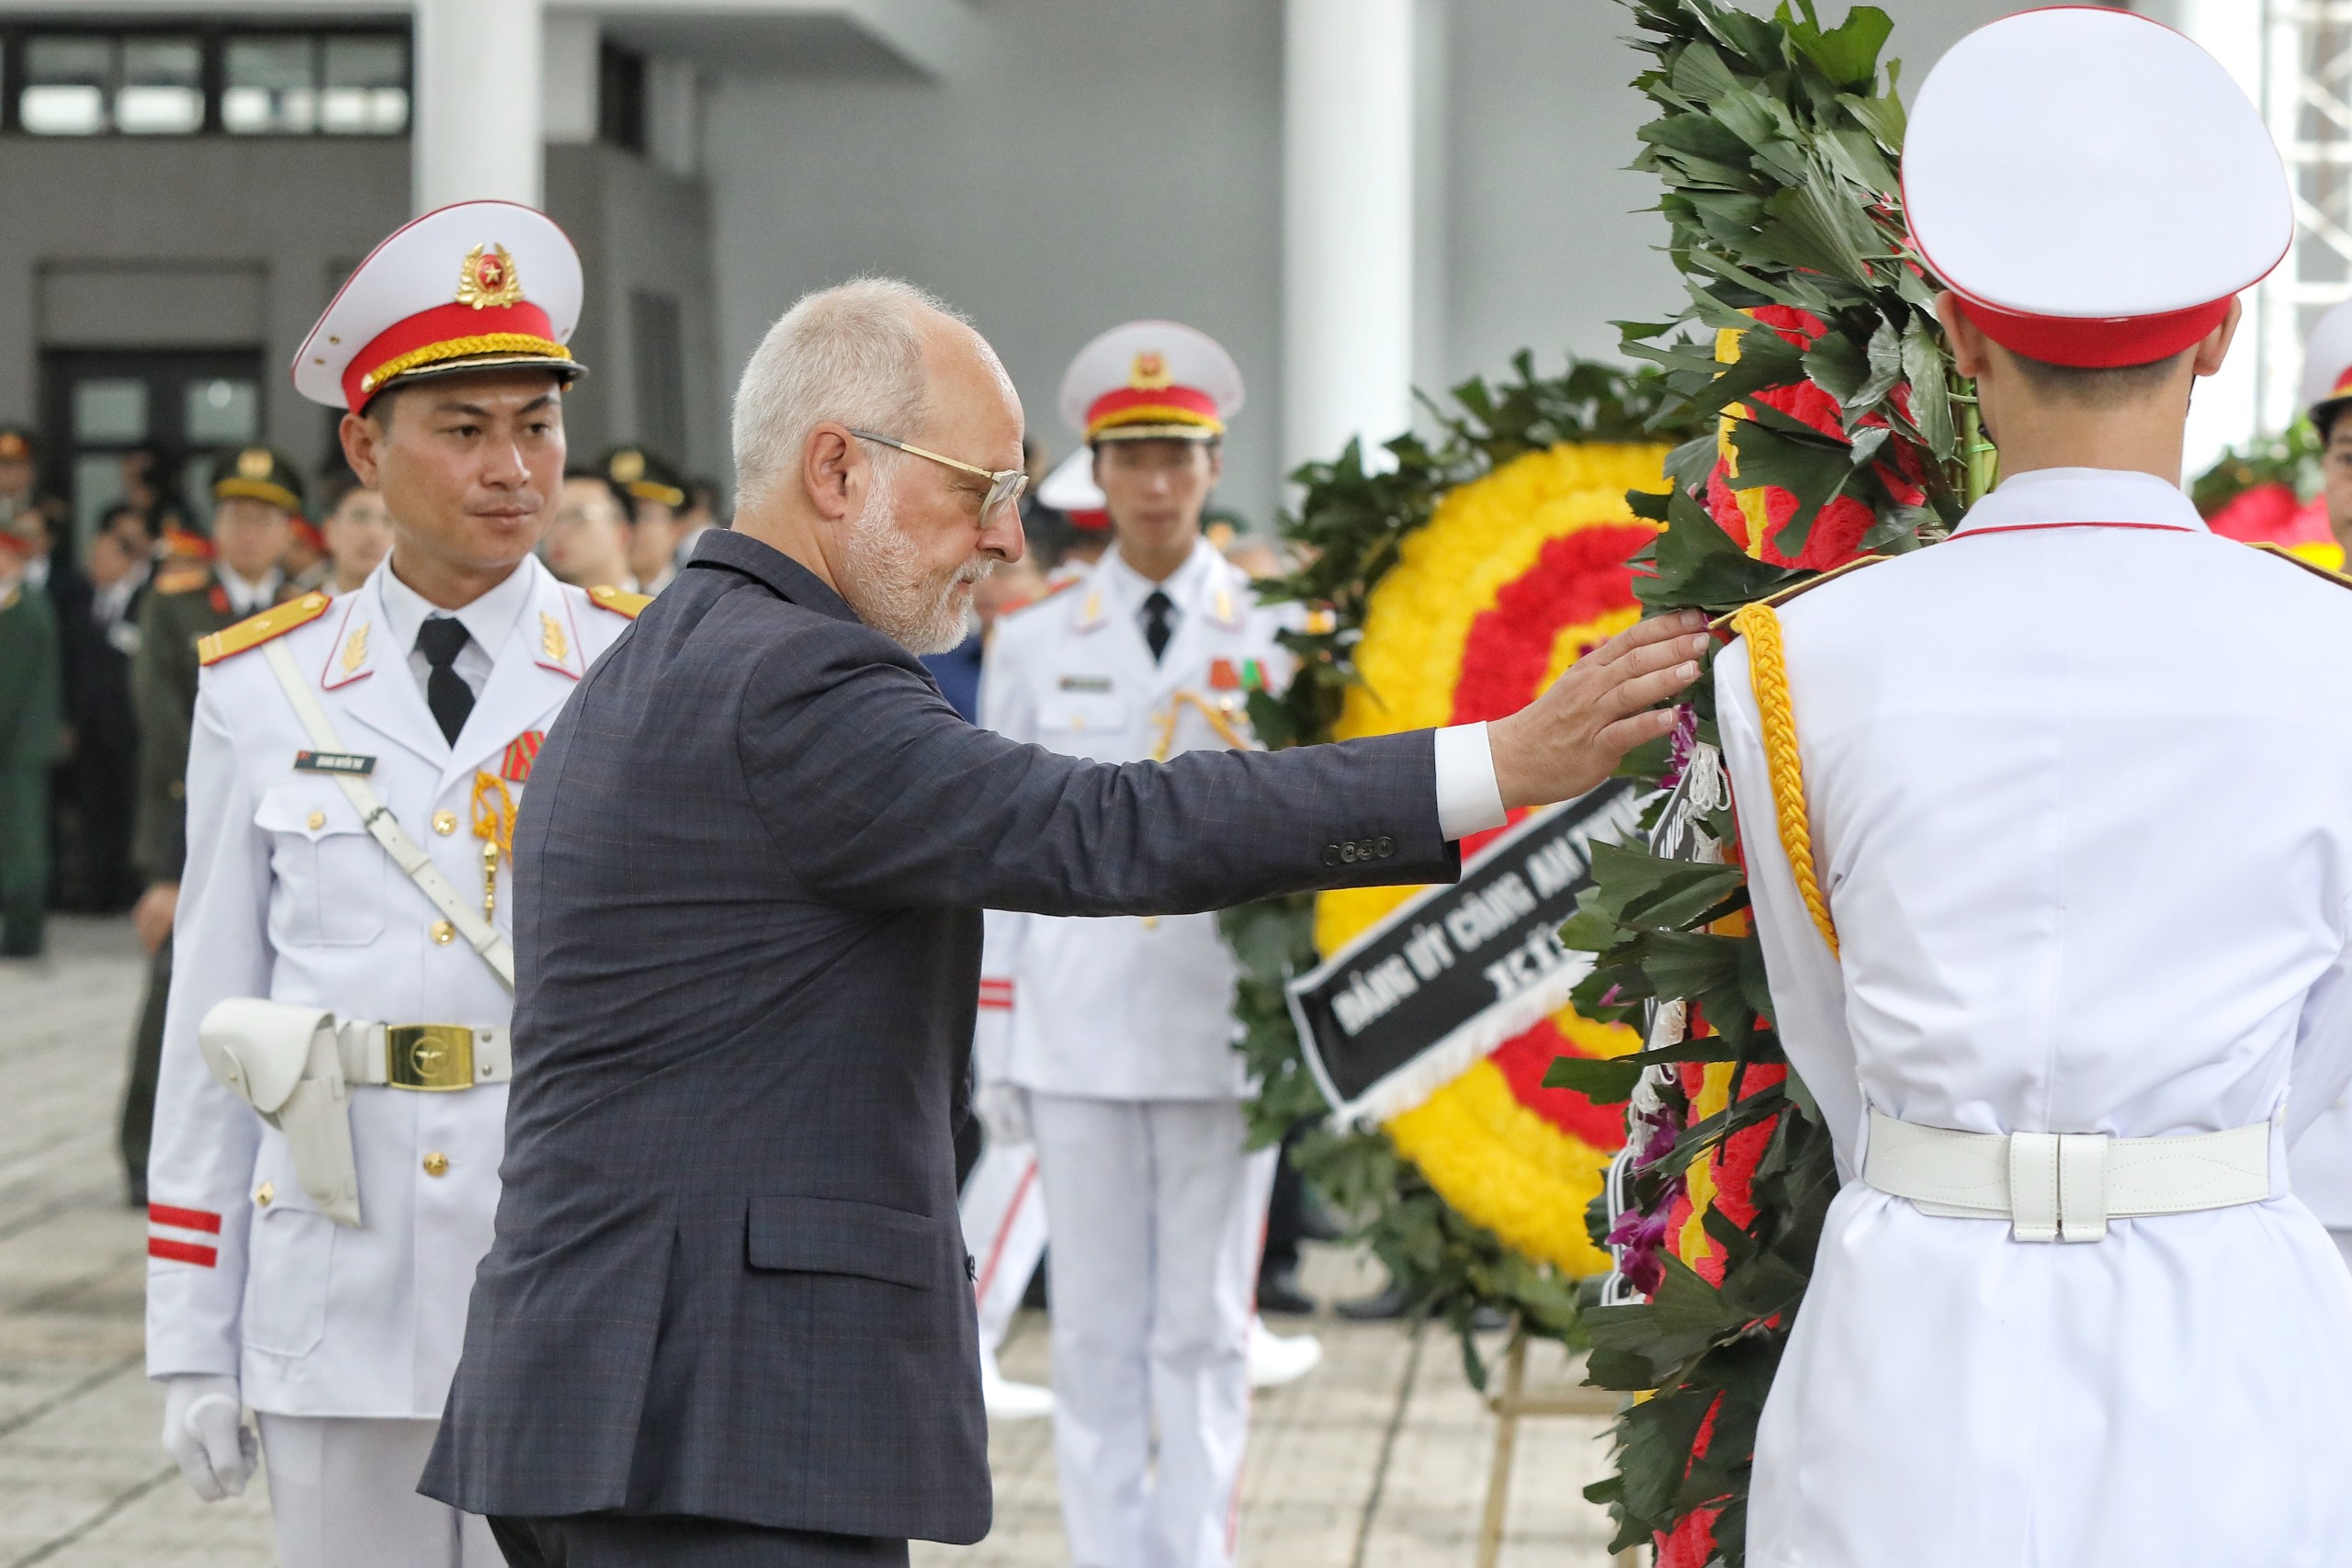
{"x": 1005, "y": 485}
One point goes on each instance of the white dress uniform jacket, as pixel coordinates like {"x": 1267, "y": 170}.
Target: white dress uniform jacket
{"x": 286, "y": 897}
{"x": 2079, "y": 802}
{"x": 1124, "y": 1007}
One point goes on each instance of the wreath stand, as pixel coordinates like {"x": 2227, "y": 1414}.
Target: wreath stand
{"x": 1509, "y": 1405}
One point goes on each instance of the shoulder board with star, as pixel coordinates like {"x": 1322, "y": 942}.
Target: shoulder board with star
{"x": 254, "y": 631}
{"x": 619, "y": 600}
{"x": 2291, "y": 559}
{"x": 1795, "y": 589}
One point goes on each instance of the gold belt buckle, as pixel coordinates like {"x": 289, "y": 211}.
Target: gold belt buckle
{"x": 432, "y": 1057}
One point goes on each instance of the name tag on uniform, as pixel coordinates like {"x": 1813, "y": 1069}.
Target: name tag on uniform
{"x": 1086, "y": 683}
{"x": 334, "y": 762}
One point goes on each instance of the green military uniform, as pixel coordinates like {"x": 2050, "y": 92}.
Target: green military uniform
{"x": 31, "y": 713}
{"x": 18, "y": 446}
{"x": 190, "y": 602}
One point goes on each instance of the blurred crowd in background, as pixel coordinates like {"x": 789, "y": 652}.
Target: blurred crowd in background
{"x": 96, "y": 662}
{"x": 97, "y": 656}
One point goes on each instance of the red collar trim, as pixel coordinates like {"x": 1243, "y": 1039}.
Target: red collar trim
{"x": 2035, "y": 527}
{"x": 442, "y": 326}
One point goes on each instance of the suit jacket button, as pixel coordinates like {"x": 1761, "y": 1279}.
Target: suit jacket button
{"x": 1330, "y": 855}
{"x": 1347, "y": 854}
{"x": 444, "y": 933}
{"x": 1387, "y": 847}
{"x": 444, "y": 823}
{"x": 436, "y": 1163}
{"x": 262, "y": 1194}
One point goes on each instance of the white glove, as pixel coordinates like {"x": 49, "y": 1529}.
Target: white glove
{"x": 204, "y": 1433}
{"x": 1003, "y": 1110}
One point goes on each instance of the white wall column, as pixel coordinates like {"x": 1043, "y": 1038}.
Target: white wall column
{"x": 568, "y": 78}
{"x": 1347, "y": 155}
{"x": 477, "y": 124}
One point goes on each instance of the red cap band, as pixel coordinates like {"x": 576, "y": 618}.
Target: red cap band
{"x": 2100, "y": 342}
{"x": 187, "y": 546}
{"x": 1152, "y": 405}
{"x": 449, "y": 331}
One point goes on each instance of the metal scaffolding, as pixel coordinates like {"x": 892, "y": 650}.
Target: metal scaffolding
{"x": 2307, "y": 99}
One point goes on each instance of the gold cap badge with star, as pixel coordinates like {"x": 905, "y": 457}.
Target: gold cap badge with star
{"x": 488, "y": 278}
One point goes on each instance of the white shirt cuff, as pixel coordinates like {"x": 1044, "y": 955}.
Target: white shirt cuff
{"x": 1468, "y": 799}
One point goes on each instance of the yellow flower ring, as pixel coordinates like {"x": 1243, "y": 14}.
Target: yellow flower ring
{"x": 1515, "y": 576}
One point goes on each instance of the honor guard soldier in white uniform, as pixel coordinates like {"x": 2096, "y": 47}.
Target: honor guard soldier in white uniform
{"x": 2050, "y": 837}
{"x": 1120, "y": 1039}
{"x": 333, "y": 1091}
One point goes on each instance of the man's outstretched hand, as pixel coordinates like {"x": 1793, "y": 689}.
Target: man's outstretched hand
{"x": 1570, "y": 739}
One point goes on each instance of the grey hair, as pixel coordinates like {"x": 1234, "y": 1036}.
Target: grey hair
{"x": 853, "y": 354}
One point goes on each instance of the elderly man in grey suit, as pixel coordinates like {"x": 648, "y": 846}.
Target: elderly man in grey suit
{"x": 726, "y": 1317}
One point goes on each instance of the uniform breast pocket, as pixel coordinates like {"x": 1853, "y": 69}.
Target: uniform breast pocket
{"x": 329, "y": 871}
{"x": 1082, "y": 722}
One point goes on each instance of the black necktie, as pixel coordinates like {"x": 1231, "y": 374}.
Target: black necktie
{"x": 445, "y": 692}
{"x": 1159, "y": 622}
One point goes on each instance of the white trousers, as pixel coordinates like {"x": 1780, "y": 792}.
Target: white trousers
{"x": 1003, "y": 1212}
{"x": 1158, "y": 1212}
{"x": 343, "y": 1495}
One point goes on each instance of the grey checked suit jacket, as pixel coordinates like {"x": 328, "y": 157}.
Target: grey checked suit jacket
{"x": 728, "y": 1279}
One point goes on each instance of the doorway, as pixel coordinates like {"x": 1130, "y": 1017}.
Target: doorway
{"x": 185, "y": 405}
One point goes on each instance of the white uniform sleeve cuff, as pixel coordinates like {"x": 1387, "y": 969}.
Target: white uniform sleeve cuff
{"x": 1468, "y": 799}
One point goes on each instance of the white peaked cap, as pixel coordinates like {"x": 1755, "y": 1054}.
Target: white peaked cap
{"x": 1151, "y": 380}
{"x": 2094, "y": 187}
{"x": 1071, "y": 487}
{"x": 470, "y": 286}
{"x": 2327, "y": 359}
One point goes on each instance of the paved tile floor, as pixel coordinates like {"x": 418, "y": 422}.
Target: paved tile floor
{"x": 1377, "y": 1460}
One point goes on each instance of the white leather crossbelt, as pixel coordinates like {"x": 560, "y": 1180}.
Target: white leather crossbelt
{"x": 2065, "y": 1185}
{"x": 427, "y": 1057}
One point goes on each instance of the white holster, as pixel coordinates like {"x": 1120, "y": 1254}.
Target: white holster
{"x": 286, "y": 1062}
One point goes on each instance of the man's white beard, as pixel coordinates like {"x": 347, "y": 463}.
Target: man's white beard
{"x": 883, "y": 581}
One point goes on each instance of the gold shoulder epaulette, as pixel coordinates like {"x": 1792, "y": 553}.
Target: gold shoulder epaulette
{"x": 254, "y": 631}
{"x": 619, "y": 600}
{"x": 2289, "y": 556}
{"x": 1774, "y": 601}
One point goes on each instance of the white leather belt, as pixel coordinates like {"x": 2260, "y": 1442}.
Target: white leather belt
{"x": 427, "y": 1057}
{"x": 2065, "y": 1185}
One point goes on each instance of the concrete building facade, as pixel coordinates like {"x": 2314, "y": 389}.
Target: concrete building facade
{"x": 1050, "y": 166}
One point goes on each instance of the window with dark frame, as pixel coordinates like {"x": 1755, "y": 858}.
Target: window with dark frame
{"x": 266, "y": 77}
{"x": 620, "y": 96}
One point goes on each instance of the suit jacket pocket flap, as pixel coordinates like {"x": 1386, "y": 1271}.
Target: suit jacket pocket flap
{"x": 834, "y": 1236}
